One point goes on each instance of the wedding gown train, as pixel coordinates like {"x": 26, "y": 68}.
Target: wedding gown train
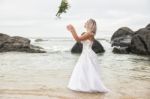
{"x": 86, "y": 74}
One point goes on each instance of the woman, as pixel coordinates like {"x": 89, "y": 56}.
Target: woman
{"x": 86, "y": 75}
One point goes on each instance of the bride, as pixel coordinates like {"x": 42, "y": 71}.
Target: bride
{"x": 86, "y": 75}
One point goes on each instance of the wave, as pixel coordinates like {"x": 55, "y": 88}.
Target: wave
{"x": 55, "y": 45}
{"x": 50, "y": 39}
{"x": 56, "y": 49}
{"x": 61, "y": 39}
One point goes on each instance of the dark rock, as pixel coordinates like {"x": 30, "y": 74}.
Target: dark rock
{"x": 39, "y": 40}
{"x": 3, "y": 39}
{"x": 96, "y": 47}
{"x": 121, "y": 40}
{"x": 17, "y": 43}
{"x": 148, "y": 27}
{"x": 77, "y": 48}
{"x": 140, "y": 43}
{"x": 122, "y": 32}
{"x": 122, "y": 37}
{"x": 121, "y": 50}
{"x": 124, "y": 40}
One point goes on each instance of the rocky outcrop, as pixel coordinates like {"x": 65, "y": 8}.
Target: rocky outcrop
{"x": 140, "y": 43}
{"x": 124, "y": 40}
{"x": 148, "y": 27}
{"x": 122, "y": 32}
{"x": 40, "y": 40}
{"x": 77, "y": 48}
{"x": 121, "y": 50}
{"x": 121, "y": 40}
{"x": 17, "y": 43}
{"x": 96, "y": 47}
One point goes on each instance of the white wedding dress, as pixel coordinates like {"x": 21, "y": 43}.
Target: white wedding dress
{"x": 86, "y": 74}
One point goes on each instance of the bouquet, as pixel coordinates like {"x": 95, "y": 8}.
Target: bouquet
{"x": 63, "y": 7}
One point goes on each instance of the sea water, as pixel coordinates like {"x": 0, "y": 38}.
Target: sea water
{"x": 46, "y": 75}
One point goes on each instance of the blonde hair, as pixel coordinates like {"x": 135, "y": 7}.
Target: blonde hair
{"x": 91, "y": 26}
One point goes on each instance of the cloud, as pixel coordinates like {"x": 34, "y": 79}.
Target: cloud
{"x": 27, "y": 8}
{"x": 40, "y": 14}
{"x": 99, "y": 8}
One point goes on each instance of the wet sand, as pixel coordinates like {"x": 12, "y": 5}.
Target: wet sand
{"x": 52, "y": 85}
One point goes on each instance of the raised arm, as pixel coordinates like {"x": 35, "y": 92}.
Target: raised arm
{"x": 76, "y": 37}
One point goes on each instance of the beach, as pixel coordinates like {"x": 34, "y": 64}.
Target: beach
{"x": 46, "y": 75}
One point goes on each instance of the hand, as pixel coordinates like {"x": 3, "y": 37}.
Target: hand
{"x": 70, "y": 28}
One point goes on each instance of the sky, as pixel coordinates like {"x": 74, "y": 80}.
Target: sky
{"x": 36, "y": 18}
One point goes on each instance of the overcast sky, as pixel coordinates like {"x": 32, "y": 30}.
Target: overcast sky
{"x": 37, "y": 17}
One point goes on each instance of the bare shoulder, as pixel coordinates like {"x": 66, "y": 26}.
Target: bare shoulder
{"x": 90, "y": 33}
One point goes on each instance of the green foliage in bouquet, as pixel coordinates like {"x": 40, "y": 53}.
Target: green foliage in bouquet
{"x": 64, "y": 6}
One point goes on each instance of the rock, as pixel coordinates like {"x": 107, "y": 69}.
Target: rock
{"x": 77, "y": 48}
{"x": 96, "y": 47}
{"x": 121, "y": 40}
{"x": 122, "y": 32}
{"x": 122, "y": 37}
{"x": 17, "y": 43}
{"x": 3, "y": 39}
{"x": 39, "y": 40}
{"x": 35, "y": 49}
{"x": 148, "y": 27}
{"x": 121, "y": 50}
{"x": 140, "y": 43}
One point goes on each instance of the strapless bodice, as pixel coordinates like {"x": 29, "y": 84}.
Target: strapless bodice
{"x": 87, "y": 44}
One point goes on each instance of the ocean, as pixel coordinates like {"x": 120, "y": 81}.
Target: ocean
{"x": 46, "y": 75}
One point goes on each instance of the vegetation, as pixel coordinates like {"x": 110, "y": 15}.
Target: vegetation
{"x": 64, "y": 6}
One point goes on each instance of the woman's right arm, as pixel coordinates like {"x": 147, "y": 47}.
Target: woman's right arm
{"x": 76, "y": 37}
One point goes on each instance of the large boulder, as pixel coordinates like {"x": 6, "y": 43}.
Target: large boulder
{"x": 17, "y": 43}
{"x": 121, "y": 40}
{"x": 121, "y": 50}
{"x": 148, "y": 27}
{"x": 96, "y": 47}
{"x": 77, "y": 48}
{"x": 122, "y": 37}
{"x": 3, "y": 39}
{"x": 140, "y": 43}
